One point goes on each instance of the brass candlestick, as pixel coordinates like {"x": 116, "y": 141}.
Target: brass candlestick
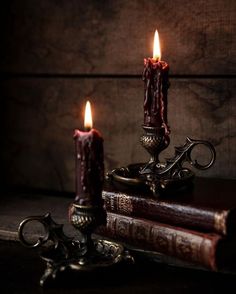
{"x": 162, "y": 176}
{"x": 171, "y": 174}
{"x": 86, "y": 213}
{"x": 82, "y": 254}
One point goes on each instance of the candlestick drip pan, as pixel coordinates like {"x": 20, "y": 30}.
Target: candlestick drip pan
{"x": 170, "y": 175}
{"x": 131, "y": 176}
{"x": 61, "y": 252}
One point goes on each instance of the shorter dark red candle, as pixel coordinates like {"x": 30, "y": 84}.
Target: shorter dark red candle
{"x": 89, "y": 164}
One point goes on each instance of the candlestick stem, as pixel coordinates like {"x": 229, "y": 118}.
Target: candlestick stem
{"x": 155, "y": 140}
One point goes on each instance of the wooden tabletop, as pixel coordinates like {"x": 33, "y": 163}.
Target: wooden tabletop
{"x": 21, "y": 268}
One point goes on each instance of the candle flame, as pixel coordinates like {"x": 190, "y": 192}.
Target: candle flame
{"x": 156, "y": 47}
{"x": 88, "y": 120}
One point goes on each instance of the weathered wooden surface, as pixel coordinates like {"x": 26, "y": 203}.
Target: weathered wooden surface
{"x": 21, "y": 268}
{"x": 40, "y": 115}
{"x": 16, "y": 206}
{"x": 113, "y": 37}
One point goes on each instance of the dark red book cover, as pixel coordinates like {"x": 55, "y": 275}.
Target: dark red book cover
{"x": 209, "y": 207}
{"x": 209, "y": 250}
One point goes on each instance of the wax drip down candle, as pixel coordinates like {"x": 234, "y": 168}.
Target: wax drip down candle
{"x": 89, "y": 163}
{"x": 156, "y": 81}
{"x": 158, "y": 174}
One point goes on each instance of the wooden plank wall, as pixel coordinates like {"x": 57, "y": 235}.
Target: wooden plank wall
{"x": 55, "y": 54}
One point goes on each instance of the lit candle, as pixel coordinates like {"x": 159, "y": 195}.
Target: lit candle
{"x": 156, "y": 47}
{"x": 156, "y": 84}
{"x": 89, "y": 163}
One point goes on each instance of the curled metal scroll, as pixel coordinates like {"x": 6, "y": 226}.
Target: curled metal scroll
{"x": 64, "y": 252}
{"x": 192, "y": 144}
{"x": 183, "y": 154}
{"x": 53, "y": 231}
{"x": 170, "y": 174}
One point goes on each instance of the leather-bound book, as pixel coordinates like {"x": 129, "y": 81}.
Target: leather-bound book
{"x": 209, "y": 207}
{"x": 207, "y": 250}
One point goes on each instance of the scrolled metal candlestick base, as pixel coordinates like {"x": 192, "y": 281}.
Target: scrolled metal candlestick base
{"x": 82, "y": 254}
{"x": 163, "y": 176}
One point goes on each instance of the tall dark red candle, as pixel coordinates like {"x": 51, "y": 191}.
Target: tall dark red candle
{"x": 89, "y": 167}
{"x": 156, "y": 84}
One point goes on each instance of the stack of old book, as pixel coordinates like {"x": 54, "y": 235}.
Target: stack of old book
{"x": 197, "y": 227}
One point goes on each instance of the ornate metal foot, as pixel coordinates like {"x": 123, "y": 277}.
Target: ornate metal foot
{"x": 65, "y": 252}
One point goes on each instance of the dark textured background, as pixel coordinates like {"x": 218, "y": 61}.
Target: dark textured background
{"x": 55, "y": 54}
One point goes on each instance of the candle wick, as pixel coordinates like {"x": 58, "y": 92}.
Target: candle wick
{"x": 87, "y": 129}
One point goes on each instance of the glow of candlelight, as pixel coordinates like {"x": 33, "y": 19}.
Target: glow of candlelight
{"x": 156, "y": 47}
{"x": 88, "y": 120}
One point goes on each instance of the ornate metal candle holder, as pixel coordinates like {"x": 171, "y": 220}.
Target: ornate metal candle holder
{"x": 155, "y": 174}
{"x": 83, "y": 254}
{"x": 159, "y": 176}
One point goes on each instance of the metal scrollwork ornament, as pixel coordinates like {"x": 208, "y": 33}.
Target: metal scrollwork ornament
{"x": 61, "y": 252}
{"x": 163, "y": 176}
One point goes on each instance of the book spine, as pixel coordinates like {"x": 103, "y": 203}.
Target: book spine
{"x": 170, "y": 213}
{"x": 187, "y": 245}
